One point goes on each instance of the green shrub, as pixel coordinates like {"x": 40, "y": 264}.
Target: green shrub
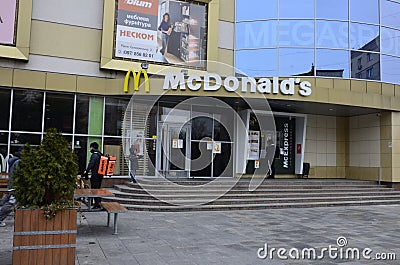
{"x": 46, "y": 174}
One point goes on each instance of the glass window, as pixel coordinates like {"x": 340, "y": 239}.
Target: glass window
{"x": 59, "y": 112}
{"x": 223, "y": 125}
{"x": 332, "y": 34}
{"x": 332, "y": 63}
{"x": 390, "y": 11}
{"x": 370, "y": 56}
{"x": 256, "y": 34}
{"x": 364, "y": 11}
{"x": 295, "y": 61}
{"x": 390, "y": 41}
{"x": 391, "y": 69}
{"x": 329, "y": 9}
{"x": 82, "y": 114}
{"x": 5, "y": 96}
{"x": 3, "y": 150}
{"x": 18, "y": 140}
{"x": 113, "y": 146}
{"x": 202, "y": 127}
{"x": 263, "y": 62}
{"x": 257, "y": 9}
{"x": 115, "y": 109}
{"x": 223, "y": 162}
{"x": 364, "y": 37}
{"x": 27, "y": 111}
{"x": 296, "y": 33}
{"x": 296, "y": 9}
{"x": 81, "y": 150}
{"x": 363, "y": 68}
{"x": 201, "y": 158}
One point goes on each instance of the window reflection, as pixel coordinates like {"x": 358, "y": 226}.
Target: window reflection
{"x": 390, "y": 41}
{"x": 296, "y": 9}
{"x": 364, "y": 11}
{"x": 5, "y": 96}
{"x": 391, "y": 13}
{"x": 365, "y": 66}
{"x": 258, "y": 9}
{"x": 261, "y": 62}
{"x": 329, "y": 9}
{"x": 257, "y": 34}
{"x": 390, "y": 69}
{"x": 332, "y": 34}
{"x": 114, "y": 114}
{"x": 30, "y": 103}
{"x": 296, "y": 33}
{"x": 295, "y": 61}
{"x": 332, "y": 63}
{"x": 82, "y": 114}
{"x": 59, "y": 112}
{"x": 364, "y": 37}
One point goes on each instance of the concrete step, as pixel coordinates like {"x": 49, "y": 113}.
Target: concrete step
{"x": 225, "y": 201}
{"x": 137, "y": 190}
{"x": 251, "y": 195}
{"x": 256, "y": 206}
{"x": 245, "y": 181}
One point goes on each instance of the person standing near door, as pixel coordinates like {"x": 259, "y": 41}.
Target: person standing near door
{"x": 93, "y": 166}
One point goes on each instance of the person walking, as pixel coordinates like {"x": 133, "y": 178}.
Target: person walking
{"x": 93, "y": 166}
{"x": 7, "y": 207}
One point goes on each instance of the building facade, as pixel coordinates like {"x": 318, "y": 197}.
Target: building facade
{"x": 329, "y": 70}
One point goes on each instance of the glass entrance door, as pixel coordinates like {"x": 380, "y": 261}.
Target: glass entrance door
{"x": 173, "y": 150}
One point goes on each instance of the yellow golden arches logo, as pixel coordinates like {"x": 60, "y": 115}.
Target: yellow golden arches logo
{"x": 136, "y": 80}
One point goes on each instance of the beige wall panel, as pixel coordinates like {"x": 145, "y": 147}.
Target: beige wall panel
{"x": 395, "y": 103}
{"x": 60, "y": 82}
{"x": 226, "y": 36}
{"x": 386, "y": 174}
{"x": 320, "y": 94}
{"x": 374, "y": 87}
{"x": 397, "y": 90}
{"x": 341, "y": 84}
{"x": 340, "y": 96}
{"x": 358, "y": 86}
{"x": 226, "y": 57}
{"x": 372, "y": 100}
{"x": 386, "y": 118}
{"x": 396, "y": 134}
{"x": 116, "y": 87}
{"x": 386, "y": 160}
{"x": 388, "y": 90}
{"x": 341, "y": 172}
{"x": 84, "y": 13}
{"x": 395, "y": 118}
{"x": 65, "y": 41}
{"x": 91, "y": 85}
{"x": 321, "y": 172}
{"x": 324, "y": 82}
{"x": 331, "y": 172}
{"x": 6, "y": 76}
{"x": 396, "y": 174}
{"x": 357, "y": 99}
{"x": 386, "y": 132}
{"x": 227, "y": 10}
{"x": 29, "y": 79}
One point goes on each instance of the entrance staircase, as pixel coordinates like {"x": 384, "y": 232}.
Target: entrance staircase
{"x": 272, "y": 193}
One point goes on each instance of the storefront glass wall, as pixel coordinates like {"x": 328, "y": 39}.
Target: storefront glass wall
{"x": 81, "y": 119}
{"x": 277, "y": 34}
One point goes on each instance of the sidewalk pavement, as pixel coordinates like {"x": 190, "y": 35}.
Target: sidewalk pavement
{"x": 229, "y": 237}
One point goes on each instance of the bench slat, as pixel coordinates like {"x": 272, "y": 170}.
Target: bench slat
{"x": 113, "y": 207}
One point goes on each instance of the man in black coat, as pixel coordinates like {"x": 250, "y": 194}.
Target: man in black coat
{"x": 93, "y": 166}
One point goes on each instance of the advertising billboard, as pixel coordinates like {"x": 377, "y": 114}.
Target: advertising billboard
{"x": 163, "y": 31}
{"x": 7, "y": 21}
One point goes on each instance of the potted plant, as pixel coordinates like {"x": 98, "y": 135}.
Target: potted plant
{"x": 45, "y": 219}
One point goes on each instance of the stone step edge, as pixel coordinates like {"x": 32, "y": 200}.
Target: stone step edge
{"x": 357, "y": 193}
{"x": 256, "y": 206}
{"x": 266, "y": 200}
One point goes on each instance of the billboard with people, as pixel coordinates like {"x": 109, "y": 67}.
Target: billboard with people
{"x": 163, "y": 31}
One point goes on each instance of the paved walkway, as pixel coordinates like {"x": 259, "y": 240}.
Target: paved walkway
{"x": 229, "y": 237}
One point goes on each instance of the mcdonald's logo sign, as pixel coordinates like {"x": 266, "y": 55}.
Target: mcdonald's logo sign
{"x": 136, "y": 80}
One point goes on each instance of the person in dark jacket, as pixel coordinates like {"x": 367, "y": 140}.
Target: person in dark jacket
{"x": 12, "y": 165}
{"x": 93, "y": 166}
{"x": 166, "y": 29}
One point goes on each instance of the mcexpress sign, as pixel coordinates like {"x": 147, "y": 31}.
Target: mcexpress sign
{"x": 214, "y": 82}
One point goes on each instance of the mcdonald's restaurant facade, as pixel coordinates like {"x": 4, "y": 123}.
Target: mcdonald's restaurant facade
{"x": 79, "y": 72}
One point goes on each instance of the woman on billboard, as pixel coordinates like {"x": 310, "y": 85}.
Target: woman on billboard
{"x": 166, "y": 29}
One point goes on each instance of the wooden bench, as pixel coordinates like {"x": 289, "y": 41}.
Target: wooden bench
{"x": 115, "y": 208}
